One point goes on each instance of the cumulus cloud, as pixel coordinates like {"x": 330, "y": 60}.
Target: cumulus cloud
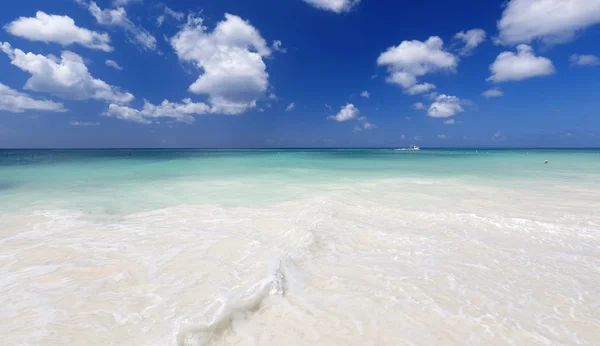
{"x": 442, "y": 137}
{"x": 365, "y": 94}
{"x": 412, "y": 59}
{"x": 523, "y": 65}
{"x": 471, "y": 40}
{"x": 445, "y": 106}
{"x": 495, "y": 92}
{"x": 433, "y": 95}
{"x": 278, "y": 47}
{"x": 551, "y": 21}
{"x": 419, "y": 105}
{"x": 67, "y": 77}
{"x": 350, "y": 113}
{"x": 117, "y": 17}
{"x": 17, "y": 102}
{"x": 181, "y": 112}
{"x": 449, "y": 122}
{"x": 290, "y": 107}
{"x": 231, "y": 57}
{"x": 113, "y": 64}
{"x": 584, "y": 60}
{"x": 337, "y": 6}
{"x": 58, "y": 29}
{"x": 126, "y": 113}
{"x": 420, "y": 88}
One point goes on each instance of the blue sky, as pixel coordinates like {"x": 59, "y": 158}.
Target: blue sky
{"x": 293, "y": 73}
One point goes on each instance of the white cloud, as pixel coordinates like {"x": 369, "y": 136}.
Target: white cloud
{"x": 419, "y": 105}
{"x": 412, "y": 59}
{"x": 551, "y": 21}
{"x": 17, "y": 102}
{"x": 433, "y": 95}
{"x": 495, "y": 92}
{"x": 365, "y": 94}
{"x": 369, "y": 126}
{"x": 231, "y": 57}
{"x": 181, "y": 112}
{"x": 67, "y": 77}
{"x": 337, "y": 6}
{"x": 449, "y": 122}
{"x": 278, "y": 46}
{"x": 177, "y": 15}
{"x": 366, "y": 126}
{"x": 420, "y": 88}
{"x": 290, "y": 107}
{"x": 117, "y": 17}
{"x": 442, "y": 137}
{"x": 118, "y": 3}
{"x": 514, "y": 67}
{"x": 126, "y": 113}
{"x": 418, "y": 138}
{"x": 445, "y": 106}
{"x": 584, "y": 60}
{"x": 58, "y": 29}
{"x": 272, "y": 97}
{"x": 84, "y": 123}
{"x": 328, "y": 107}
{"x": 348, "y": 112}
{"x": 471, "y": 39}
{"x": 113, "y": 64}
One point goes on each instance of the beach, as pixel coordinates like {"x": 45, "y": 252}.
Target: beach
{"x": 300, "y": 247}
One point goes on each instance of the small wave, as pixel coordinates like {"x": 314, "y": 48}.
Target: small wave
{"x": 239, "y": 308}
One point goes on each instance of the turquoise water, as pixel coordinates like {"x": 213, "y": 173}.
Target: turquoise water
{"x": 122, "y": 181}
{"x": 300, "y": 247}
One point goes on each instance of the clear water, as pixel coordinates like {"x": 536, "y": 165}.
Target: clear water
{"x": 300, "y": 247}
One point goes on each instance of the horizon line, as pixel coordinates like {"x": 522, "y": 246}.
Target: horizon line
{"x": 286, "y": 148}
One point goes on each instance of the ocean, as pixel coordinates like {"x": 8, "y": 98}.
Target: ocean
{"x": 300, "y": 247}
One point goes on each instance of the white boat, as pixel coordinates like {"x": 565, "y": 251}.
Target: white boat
{"x": 411, "y": 148}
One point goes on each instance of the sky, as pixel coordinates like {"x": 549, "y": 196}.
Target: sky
{"x": 299, "y": 73}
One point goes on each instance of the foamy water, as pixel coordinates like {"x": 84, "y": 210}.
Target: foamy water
{"x": 352, "y": 257}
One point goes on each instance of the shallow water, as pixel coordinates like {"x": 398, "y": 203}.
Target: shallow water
{"x": 300, "y": 247}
